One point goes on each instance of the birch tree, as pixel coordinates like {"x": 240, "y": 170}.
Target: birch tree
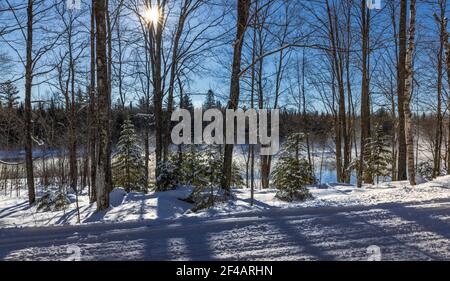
{"x": 103, "y": 107}
{"x": 409, "y": 131}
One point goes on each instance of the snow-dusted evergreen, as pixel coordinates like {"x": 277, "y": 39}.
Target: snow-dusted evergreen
{"x": 169, "y": 175}
{"x": 378, "y": 156}
{"x": 128, "y": 165}
{"x": 292, "y": 172}
{"x": 425, "y": 170}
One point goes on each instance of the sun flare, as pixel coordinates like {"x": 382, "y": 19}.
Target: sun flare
{"x": 151, "y": 15}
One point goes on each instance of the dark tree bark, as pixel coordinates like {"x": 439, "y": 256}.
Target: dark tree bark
{"x": 28, "y": 109}
{"x": 243, "y": 7}
{"x": 439, "y": 128}
{"x": 365, "y": 98}
{"x": 103, "y": 108}
{"x": 342, "y": 135}
{"x": 447, "y": 66}
{"x": 401, "y": 165}
{"x": 409, "y": 132}
{"x": 156, "y": 59}
{"x": 109, "y": 183}
{"x": 92, "y": 111}
{"x": 264, "y": 159}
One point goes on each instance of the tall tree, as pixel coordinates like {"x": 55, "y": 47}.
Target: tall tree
{"x": 401, "y": 165}
{"x": 447, "y": 66}
{"x": 281, "y": 41}
{"x": 409, "y": 132}
{"x": 28, "y": 109}
{"x": 342, "y": 133}
{"x": 365, "y": 97}
{"x": 92, "y": 119}
{"x": 243, "y": 8}
{"x": 128, "y": 163}
{"x": 440, "y": 56}
{"x": 156, "y": 35}
{"x": 187, "y": 7}
{"x": 103, "y": 107}
{"x": 9, "y": 94}
{"x": 262, "y": 17}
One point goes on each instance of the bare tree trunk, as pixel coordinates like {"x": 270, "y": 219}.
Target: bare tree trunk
{"x": 337, "y": 131}
{"x": 447, "y": 66}
{"x": 401, "y": 165}
{"x": 252, "y": 105}
{"x": 71, "y": 114}
{"x": 73, "y": 141}
{"x": 342, "y": 136}
{"x": 351, "y": 108}
{"x": 394, "y": 147}
{"x": 68, "y": 88}
{"x": 28, "y": 109}
{"x": 394, "y": 139}
{"x": 185, "y": 10}
{"x": 243, "y": 7}
{"x": 342, "y": 108}
{"x": 103, "y": 104}
{"x": 365, "y": 98}
{"x": 264, "y": 163}
{"x": 156, "y": 57}
{"x": 304, "y": 110}
{"x": 180, "y": 146}
{"x": 108, "y": 171}
{"x": 409, "y": 132}
{"x": 260, "y": 27}
{"x": 146, "y": 149}
{"x": 92, "y": 111}
{"x": 146, "y": 104}
{"x": 120, "y": 61}
{"x": 439, "y": 130}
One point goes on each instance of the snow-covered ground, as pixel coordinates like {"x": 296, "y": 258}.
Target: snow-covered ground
{"x": 389, "y": 231}
{"x": 15, "y": 212}
{"x": 392, "y": 221}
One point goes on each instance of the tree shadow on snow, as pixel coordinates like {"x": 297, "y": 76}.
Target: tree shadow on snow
{"x": 96, "y": 216}
{"x": 426, "y": 219}
{"x": 12, "y": 209}
{"x": 257, "y": 203}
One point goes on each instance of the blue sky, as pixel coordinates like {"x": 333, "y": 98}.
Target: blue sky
{"x": 214, "y": 75}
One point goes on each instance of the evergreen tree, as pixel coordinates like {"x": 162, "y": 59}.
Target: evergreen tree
{"x": 204, "y": 168}
{"x": 128, "y": 164}
{"x": 207, "y": 177}
{"x": 169, "y": 175}
{"x": 292, "y": 172}
{"x": 9, "y": 94}
{"x": 210, "y": 101}
{"x": 186, "y": 103}
{"x": 294, "y": 144}
{"x": 290, "y": 177}
{"x": 379, "y": 156}
{"x": 425, "y": 170}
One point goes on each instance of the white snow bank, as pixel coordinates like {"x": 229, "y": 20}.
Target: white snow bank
{"x": 116, "y": 197}
{"x": 14, "y": 211}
